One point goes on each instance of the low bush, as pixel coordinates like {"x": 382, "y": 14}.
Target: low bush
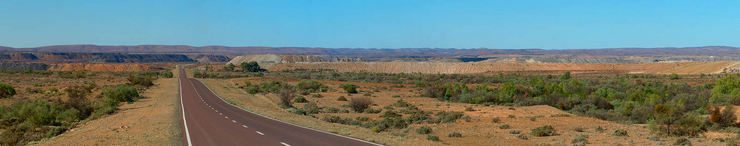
{"x": 6, "y": 91}
{"x": 432, "y": 138}
{"x": 505, "y": 126}
{"x": 424, "y": 130}
{"x": 522, "y": 136}
{"x": 120, "y": 93}
{"x": 454, "y": 134}
{"x": 496, "y": 120}
{"x": 580, "y": 140}
{"x": 469, "y": 109}
{"x": 620, "y": 132}
{"x": 359, "y": 104}
{"x": 417, "y": 117}
{"x": 372, "y": 111}
{"x": 341, "y": 98}
{"x": 448, "y": 116}
{"x": 683, "y": 141}
{"x": 333, "y": 119}
{"x": 141, "y": 80}
{"x": 311, "y": 86}
{"x": 546, "y": 130}
{"x": 311, "y": 108}
{"x": 300, "y": 99}
{"x": 349, "y": 88}
{"x": 330, "y": 110}
{"x": 515, "y": 131}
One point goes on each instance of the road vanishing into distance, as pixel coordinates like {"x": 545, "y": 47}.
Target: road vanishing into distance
{"x": 210, "y": 121}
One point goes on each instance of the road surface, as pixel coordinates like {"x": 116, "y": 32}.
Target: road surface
{"x": 209, "y": 120}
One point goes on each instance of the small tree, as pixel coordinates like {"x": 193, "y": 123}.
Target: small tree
{"x": 6, "y": 91}
{"x": 350, "y": 88}
{"x": 359, "y": 104}
{"x": 251, "y": 67}
{"x": 286, "y": 94}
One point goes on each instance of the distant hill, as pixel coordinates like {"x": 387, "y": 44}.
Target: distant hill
{"x": 374, "y": 52}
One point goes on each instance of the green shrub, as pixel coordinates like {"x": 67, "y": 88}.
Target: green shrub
{"x": 359, "y": 104}
{"x": 424, "y": 130}
{"x": 432, "y": 138}
{"x": 120, "y": 93}
{"x": 34, "y": 119}
{"x": 683, "y": 141}
{"x": 300, "y": 99}
{"x": 401, "y": 103}
{"x": 505, "y": 126}
{"x": 469, "y": 109}
{"x": 580, "y": 140}
{"x": 372, "y": 111}
{"x": 515, "y": 131}
{"x": 333, "y": 119}
{"x": 251, "y": 67}
{"x": 454, "y": 134}
{"x": 546, "y": 130}
{"x": 522, "y": 136}
{"x": 417, "y": 117}
{"x": 349, "y": 88}
{"x": 311, "y": 108}
{"x": 341, "y": 98}
{"x": 317, "y": 96}
{"x": 496, "y": 120}
{"x": 140, "y": 80}
{"x": 620, "y": 132}
{"x": 6, "y": 91}
{"x": 330, "y": 110}
{"x": 311, "y": 86}
{"x": 448, "y": 116}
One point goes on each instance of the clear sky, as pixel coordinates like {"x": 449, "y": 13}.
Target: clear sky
{"x": 505, "y": 24}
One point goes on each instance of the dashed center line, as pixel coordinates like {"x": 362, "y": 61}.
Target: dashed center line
{"x": 234, "y": 121}
{"x": 245, "y": 126}
{"x": 258, "y": 132}
{"x": 285, "y": 144}
{"x": 226, "y": 117}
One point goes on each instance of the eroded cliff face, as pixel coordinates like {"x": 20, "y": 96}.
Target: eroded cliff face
{"x": 102, "y": 57}
{"x": 98, "y": 67}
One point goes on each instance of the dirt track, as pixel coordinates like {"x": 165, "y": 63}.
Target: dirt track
{"x": 463, "y": 68}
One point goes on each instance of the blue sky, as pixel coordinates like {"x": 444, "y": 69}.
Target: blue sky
{"x": 505, "y": 24}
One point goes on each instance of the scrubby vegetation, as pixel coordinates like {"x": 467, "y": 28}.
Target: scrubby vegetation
{"x": 31, "y": 119}
{"x": 6, "y": 91}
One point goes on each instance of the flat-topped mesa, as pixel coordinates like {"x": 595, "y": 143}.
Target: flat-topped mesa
{"x": 270, "y": 59}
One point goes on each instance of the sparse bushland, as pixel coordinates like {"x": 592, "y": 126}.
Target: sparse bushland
{"x": 34, "y": 119}
{"x": 6, "y": 91}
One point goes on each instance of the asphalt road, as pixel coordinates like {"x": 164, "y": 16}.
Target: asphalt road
{"x": 209, "y": 120}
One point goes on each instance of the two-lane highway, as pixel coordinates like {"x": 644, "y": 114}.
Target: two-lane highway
{"x": 209, "y": 120}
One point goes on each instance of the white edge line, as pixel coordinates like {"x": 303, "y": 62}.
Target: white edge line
{"x": 352, "y": 138}
{"x": 182, "y": 106}
{"x": 285, "y": 144}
